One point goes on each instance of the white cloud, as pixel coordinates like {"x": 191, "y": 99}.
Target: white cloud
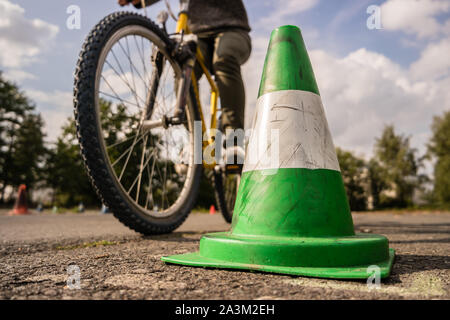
{"x": 55, "y": 107}
{"x": 364, "y": 91}
{"x": 251, "y": 73}
{"x": 447, "y": 27}
{"x": 415, "y": 16}
{"x": 434, "y": 62}
{"x": 378, "y": 92}
{"x": 58, "y": 99}
{"x": 22, "y": 39}
{"x": 284, "y": 9}
{"x": 17, "y": 75}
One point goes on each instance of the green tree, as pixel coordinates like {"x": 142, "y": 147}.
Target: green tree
{"x": 439, "y": 149}
{"x": 354, "y": 174}
{"x": 377, "y": 182}
{"x": 397, "y": 169}
{"x": 28, "y": 152}
{"x": 21, "y": 139}
{"x": 119, "y": 129}
{"x": 65, "y": 172}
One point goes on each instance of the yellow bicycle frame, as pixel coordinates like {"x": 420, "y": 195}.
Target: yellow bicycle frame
{"x": 182, "y": 26}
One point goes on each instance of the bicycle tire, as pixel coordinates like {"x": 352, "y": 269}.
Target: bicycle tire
{"x": 225, "y": 206}
{"x": 89, "y": 133}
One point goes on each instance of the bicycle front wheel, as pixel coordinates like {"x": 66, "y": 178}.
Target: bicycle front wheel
{"x": 125, "y": 76}
{"x": 226, "y": 187}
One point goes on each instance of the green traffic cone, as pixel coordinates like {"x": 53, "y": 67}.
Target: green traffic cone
{"x": 291, "y": 214}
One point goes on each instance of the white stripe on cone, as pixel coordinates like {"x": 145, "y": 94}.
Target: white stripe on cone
{"x": 290, "y": 131}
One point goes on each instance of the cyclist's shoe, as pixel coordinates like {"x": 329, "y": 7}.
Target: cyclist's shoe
{"x": 233, "y": 155}
{"x": 234, "y": 159}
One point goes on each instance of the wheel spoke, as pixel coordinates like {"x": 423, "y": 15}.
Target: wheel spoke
{"x": 144, "y": 161}
{"x": 120, "y": 142}
{"x": 129, "y": 154}
{"x": 164, "y": 180}
{"x": 118, "y": 98}
{"x": 137, "y": 177}
{"x": 126, "y": 151}
{"x": 132, "y": 66}
{"x": 150, "y": 189}
{"x": 141, "y": 168}
{"x": 133, "y": 90}
{"x": 142, "y": 55}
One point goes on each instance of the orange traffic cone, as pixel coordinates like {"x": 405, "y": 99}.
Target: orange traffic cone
{"x": 212, "y": 210}
{"x": 21, "y": 205}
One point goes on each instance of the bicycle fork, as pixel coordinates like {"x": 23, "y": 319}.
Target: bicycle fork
{"x": 158, "y": 64}
{"x": 182, "y": 52}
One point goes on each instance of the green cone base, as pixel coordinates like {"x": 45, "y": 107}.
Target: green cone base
{"x": 329, "y": 257}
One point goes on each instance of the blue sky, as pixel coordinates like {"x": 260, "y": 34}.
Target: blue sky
{"x": 367, "y": 78}
{"x": 335, "y": 26}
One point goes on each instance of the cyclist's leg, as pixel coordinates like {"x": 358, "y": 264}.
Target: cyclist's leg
{"x": 232, "y": 49}
{"x": 206, "y": 46}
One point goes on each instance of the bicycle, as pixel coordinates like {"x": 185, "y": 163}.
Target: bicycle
{"x": 137, "y": 103}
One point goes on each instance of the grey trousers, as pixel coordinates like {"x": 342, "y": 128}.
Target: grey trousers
{"x": 224, "y": 53}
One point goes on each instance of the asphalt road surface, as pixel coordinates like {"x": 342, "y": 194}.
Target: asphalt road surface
{"x": 117, "y": 263}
